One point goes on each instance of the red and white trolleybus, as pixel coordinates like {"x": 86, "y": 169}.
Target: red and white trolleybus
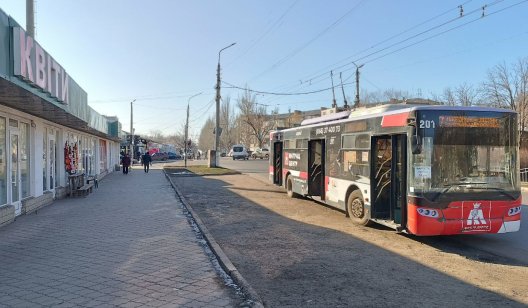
{"x": 420, "y": 169}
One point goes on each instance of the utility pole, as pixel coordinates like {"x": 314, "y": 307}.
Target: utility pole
{"x": 187, "y": 128}
{"x": 131, "y": 151}
{"x": 334, "y": 103}
{"x": 217, "y": 126}
{"x": 186, "y": 135}
{"x": 356, "y": 101}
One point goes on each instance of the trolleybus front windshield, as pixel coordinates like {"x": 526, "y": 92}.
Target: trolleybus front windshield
{"x": 465, "y": 153}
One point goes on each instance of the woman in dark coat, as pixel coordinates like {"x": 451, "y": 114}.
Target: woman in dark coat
{"x": 125, "y": 161}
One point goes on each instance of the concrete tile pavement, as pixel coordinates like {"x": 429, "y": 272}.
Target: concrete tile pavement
{"x": 128, "y": 244}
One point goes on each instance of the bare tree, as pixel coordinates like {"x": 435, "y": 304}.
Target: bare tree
{"x": 227, "y": 123}
{"x": 254, "y": 116}
{"x": 156, "y": 135}
{"x": 508, "y": 88}
{"x": 383, "y": 96}
{"x": 465, "y": 95}
{"x": 448, "y": 97}
{"x": 499, "y": 88}
{"x": 206, "y": 139}
{"x": 395, "y": 94}
{"x": 177, "y": 139}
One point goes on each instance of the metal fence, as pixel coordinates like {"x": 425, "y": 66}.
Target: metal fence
{"x": 524, "y": 175}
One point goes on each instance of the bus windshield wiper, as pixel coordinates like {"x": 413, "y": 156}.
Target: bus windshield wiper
{"x": 454, "y": 184}
{"x": 467, "y": 185}
{"x": 443, "y": 191}
{"x": 501, "y": 190}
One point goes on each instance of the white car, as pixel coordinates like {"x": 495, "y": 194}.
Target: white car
{"x": 260, "y": 153}
{"x": 240, "y": 152}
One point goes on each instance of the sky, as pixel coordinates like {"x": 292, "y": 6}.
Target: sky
{"x": 163, "y": 53}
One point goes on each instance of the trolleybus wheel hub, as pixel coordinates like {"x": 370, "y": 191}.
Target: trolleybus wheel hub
{"x": 357, "y": 208}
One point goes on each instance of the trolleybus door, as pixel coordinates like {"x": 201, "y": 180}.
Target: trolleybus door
{"x": 316, "y": 168}
{"x": 388, "y": 177}
{"x": 277, "y": 163}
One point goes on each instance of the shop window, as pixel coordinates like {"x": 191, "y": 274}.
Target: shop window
{"x": 102, "y": 156}
{"x": 44, "y": 160}
{"x": 24, "y": 159}
{"x": 3, "y": 162}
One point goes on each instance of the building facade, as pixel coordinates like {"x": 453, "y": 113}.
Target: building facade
{"x": 47, "y": 130}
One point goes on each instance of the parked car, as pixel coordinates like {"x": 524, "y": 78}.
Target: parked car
{"x": 160, "y": 156}
{"x": 240, "y": 152}
{"x": 260, "y": 153}
{"x": 172, "y": 155}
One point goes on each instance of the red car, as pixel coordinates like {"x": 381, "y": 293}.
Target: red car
{"x": 160, "y": 156}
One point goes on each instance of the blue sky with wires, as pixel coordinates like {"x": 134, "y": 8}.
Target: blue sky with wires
{"x": 164, "y": 52}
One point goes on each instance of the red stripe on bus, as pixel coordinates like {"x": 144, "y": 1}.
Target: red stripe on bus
{"x": 392, "y": 120}
{"x": 303, "y": 175}
{"x": 271, "y": 169}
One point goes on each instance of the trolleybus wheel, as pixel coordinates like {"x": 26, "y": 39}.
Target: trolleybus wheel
{"x": 356, "y": 209}
{"x": 289, "y": 188}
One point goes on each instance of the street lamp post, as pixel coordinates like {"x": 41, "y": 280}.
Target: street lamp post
{"x": 187, "y": 127}
{"x": 356, "y": 101}
{"x": 131, "y": 149}
{"x": 217, "y": 126}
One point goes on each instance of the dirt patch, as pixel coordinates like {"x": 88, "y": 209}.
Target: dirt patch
{"x": 296, "y": 252}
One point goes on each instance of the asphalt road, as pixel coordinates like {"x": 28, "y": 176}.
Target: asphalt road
{"x": 508, "y": 245}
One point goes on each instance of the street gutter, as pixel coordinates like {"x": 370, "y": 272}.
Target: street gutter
{"x": 253, "y": 298}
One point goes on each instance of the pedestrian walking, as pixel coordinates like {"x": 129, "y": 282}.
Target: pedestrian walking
{"x": 125, "y": 161}
{"x": 147, "y": 161}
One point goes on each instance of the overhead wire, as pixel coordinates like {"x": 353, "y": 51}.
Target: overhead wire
{"x": 305, "y": 45}
{"x": 397, "y": 50}
{"x": 268, "y": 31}
{"x": 201, "y": 114}
{"x": 333, "y": 66}
{"x": 145, "y": 98}
{"x": 312, "y": 82}
{"x": 232, "y": 86}
{"x": 424, "y": 32}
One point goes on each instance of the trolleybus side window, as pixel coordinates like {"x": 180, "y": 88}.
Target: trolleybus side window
{"x": 421, "y": 172}
{"x": 301, "y": 143}
{"x": 355, "y": 154}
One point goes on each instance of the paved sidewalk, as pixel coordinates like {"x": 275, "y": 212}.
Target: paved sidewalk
{"x": 127, "y": 244}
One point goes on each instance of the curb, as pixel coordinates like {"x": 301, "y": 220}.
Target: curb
{"x": 224, "y": 261}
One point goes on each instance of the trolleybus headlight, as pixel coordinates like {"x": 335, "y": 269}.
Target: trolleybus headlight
{"x": 428, "y": 212}
{"x": 514, "y": 211}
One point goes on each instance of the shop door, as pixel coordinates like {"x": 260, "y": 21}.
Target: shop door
{"x": 51, "y": 160}
{"x": 15, "y": 184}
